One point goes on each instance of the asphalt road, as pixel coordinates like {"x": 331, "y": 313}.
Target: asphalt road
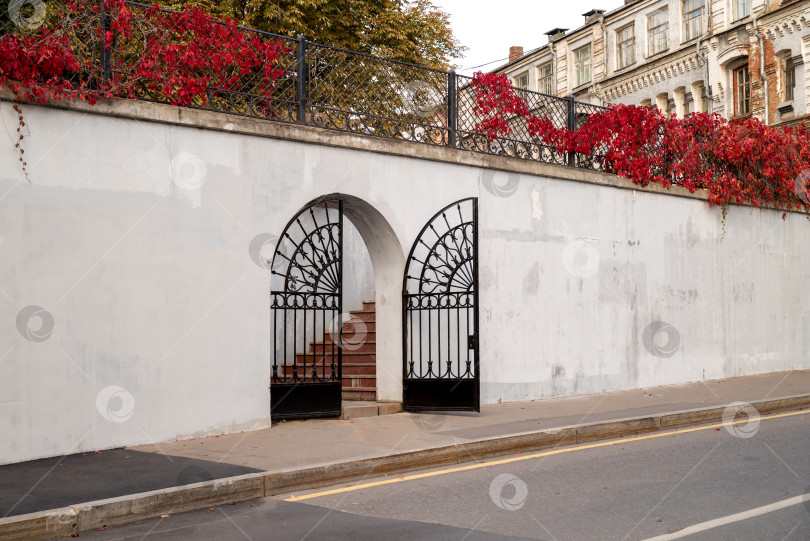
{"x": 718, "y": 481}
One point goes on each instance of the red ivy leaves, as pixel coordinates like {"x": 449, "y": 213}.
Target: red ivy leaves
{"x": 41, "y": 63}
{"x": 188, "y": 54}
{"x": 495, "y": 102}
{"x": 185, "y": 58}
{"x": 742, "y": 161}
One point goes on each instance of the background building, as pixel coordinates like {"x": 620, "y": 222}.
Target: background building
{"x": 736, "y": 58}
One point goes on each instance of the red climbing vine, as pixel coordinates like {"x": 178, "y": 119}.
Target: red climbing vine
{"x": 740, "y": 161}
{"x": 181, "y": 58}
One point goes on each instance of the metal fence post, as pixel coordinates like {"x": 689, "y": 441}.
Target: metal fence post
{"x": 452, "y": 109}
{"x": 572, "y": 126}
{"x": 106, "y": 48}
{"x": 302, "y": 79}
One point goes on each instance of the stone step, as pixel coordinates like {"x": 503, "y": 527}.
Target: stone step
{"x": 364, "y": 315}
{"x": 350, "y": 338}
{"x": 352, "y": 369}
{"x": 365, "y": 408}
{"x": 359, "y": 393}
{"x": 357, "y": 362}
{"x": 356, "y": 325}
{"x": 359, "y": 325}
{"x": 359, "y": 381}
{"x": 349, "y": 356}
{"x": 348, "y": 345}
{"x": 369, "y": 306}
{"x": 287, "y": 371}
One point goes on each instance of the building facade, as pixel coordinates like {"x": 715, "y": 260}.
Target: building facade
{"x": 737, "y": 58}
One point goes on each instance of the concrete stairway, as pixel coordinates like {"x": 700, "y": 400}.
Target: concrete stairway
{"x": 359, "y": 353}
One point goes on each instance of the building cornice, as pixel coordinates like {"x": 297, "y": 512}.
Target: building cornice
{"x": 645, "y": 75}
{"x": 786, "y": 20}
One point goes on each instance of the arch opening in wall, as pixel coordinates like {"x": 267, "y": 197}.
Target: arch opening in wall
{"x": 331, "y": 262}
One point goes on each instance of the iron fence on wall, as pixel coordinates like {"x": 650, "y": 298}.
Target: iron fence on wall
{"x": 318, "y": 85}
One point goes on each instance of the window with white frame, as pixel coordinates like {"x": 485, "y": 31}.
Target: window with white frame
{"x": 625, "y": 46}
{"x": 545, "y": 79}
{"x": 582, "y": 65}
{"x": 692, "y": 18}
{"x": 657, "y": 26}
{"x": 742, "y": 8}
{"x": 522, "y": 81}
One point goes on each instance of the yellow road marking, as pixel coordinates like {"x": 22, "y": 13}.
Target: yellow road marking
{"x": 528, "y": 457}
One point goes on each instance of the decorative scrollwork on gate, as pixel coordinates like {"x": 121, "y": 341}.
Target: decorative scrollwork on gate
{"x": 439, "y": 298}
{"x": 308, "y": 301}
{"x": 448, "y": 265}
{"x": 314, "y": 264}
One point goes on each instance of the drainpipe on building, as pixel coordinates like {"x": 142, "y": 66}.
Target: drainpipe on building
{"x": 761, "y": 40}
{"x": 553, "y": 68}
{"x": 604, "y": 52}
{"x": 708, "y": 84}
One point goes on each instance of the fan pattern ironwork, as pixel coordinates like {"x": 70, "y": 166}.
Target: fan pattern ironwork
{"x": 314, "y": 264}
{"x": 439, "y": 299}
{"x": 447, "y": 266}
{"x": 308, "y": 299}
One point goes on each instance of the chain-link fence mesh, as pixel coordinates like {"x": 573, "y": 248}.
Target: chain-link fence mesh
{"x": 596, "y": 159}
{"x": 375, "y": 96}
{"x": 519, "y": 142}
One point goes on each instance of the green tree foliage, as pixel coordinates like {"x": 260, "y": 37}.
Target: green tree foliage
{"x": 413, "y": 31}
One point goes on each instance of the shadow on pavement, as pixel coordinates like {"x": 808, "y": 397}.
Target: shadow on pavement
{"x": 50, "y": 483}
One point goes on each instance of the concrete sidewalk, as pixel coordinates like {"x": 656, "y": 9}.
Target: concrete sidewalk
{"x": 298, "y": 450}
{"x": 303, "y": 443}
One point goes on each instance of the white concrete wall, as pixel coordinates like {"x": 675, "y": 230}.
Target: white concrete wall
{"x": 572, "y": 276}
{"x": 358, "y": 273}
{"x": 160, "y": 305}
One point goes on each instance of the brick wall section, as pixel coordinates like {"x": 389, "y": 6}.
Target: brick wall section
{"x": 757, "y": 93}
{"x": 773, "y": 68}
{"x": 773, "y": 76}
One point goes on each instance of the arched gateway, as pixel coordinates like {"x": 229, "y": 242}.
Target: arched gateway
{"x": 438, "y": 314}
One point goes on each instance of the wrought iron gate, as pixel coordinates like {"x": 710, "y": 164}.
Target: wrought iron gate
{"x": 440, "y": 313}
{"x": 306, "y": 312}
